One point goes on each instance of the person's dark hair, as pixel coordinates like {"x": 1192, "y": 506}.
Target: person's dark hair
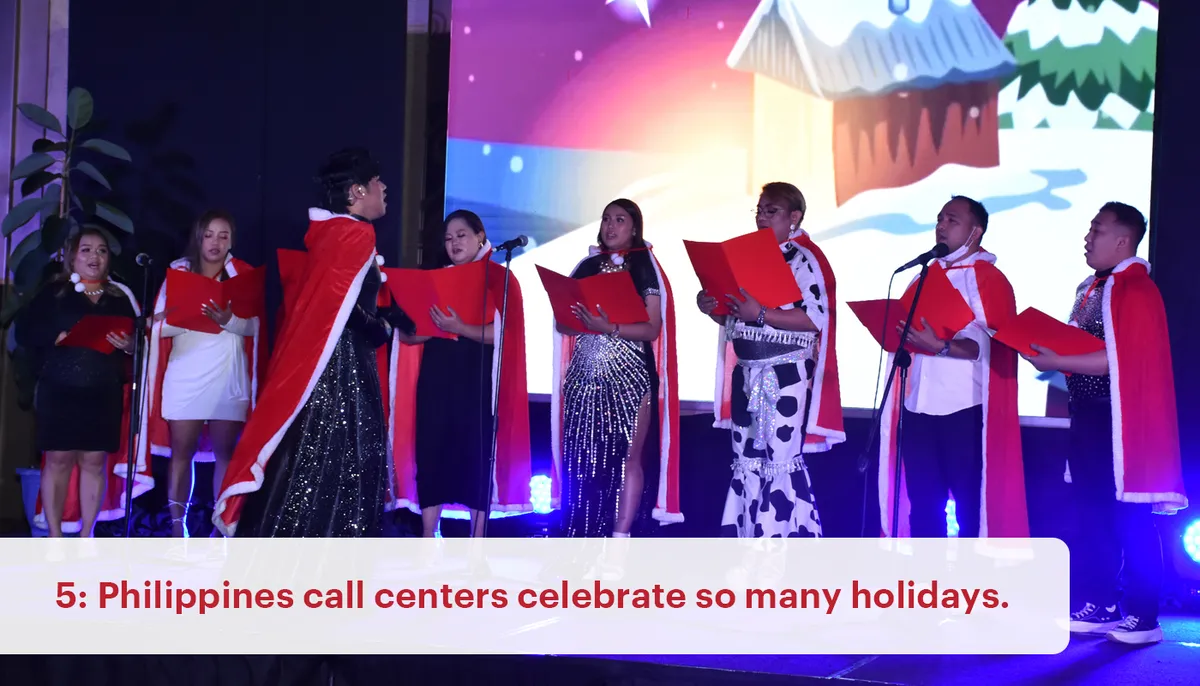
{"x": 196, "y": 239}
{"x": 978, "y": 212}
{"x": 1129, "y": 217}
{"x": 635, "y": 213}
{"x": 343, "y": 169}
{"x": 786, "y": 194}
{"x": 63, "y": 278}
{"x": 468, "y": 217}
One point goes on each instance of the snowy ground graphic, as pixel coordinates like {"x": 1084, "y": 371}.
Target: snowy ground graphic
{"x": 1042, "y": 198}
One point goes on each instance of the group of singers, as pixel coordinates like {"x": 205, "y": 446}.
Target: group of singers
{"x": 353, "y": 414}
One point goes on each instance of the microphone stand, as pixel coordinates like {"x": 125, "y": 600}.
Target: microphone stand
{"x": 498, "y": 340}
{"x": 140, "y": 327}
{"x": 901, "y": 361}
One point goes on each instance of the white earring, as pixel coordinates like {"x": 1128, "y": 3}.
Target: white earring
{"x": 79, "y": 287}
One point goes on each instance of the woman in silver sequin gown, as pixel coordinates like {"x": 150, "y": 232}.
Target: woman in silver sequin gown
{"x": 329, "y": 475}
{"x": 608, "y": 419}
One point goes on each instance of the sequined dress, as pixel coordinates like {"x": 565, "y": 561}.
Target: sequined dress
{"x": 770, "y": 494}
{"x": 329, "y": 475}
{"x": 1088, "y": 314}
{"x": 606, "y": 383}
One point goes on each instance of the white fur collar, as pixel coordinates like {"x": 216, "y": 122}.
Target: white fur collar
{"x": 1129, "y": 262}
{"x": 316, "y": 214}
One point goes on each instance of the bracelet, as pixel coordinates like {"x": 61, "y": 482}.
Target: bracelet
{"x": 762, "y": 317}
{"x": 616, "y": 332}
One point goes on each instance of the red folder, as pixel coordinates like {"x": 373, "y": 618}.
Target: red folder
{"x": 752, "y": 262}
{"x": 92, "y": 332}
{"x": 613, "y": 292}
{"x": 188, "y": 292}
{"x": 1034, "y": 327}
{"x": 941, "y": 305}
{"x": 460, "y": 288}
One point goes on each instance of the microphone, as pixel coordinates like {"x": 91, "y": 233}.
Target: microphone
{"x": 518, "y": 242}
{"x": 939, "y": 250}
{"x": 144, "y": 260}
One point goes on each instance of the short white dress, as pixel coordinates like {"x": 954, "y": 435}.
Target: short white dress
{"x": 207, "y": 376}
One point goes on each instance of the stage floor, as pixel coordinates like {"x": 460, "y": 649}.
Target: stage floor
{"x": 1096, "y": 661}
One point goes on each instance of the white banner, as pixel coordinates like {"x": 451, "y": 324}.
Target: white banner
{"x": 535, "y": 596}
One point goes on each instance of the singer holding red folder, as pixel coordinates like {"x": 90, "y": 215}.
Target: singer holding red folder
{"x": 961, "y": 432}
{"x": 444, "y": 390}
{"x": 615, "y": 404}
{"x": 81, "y": 392}
{"x": 1124, "y": 460}
{"x": 777, "y": 382}
{"x": 204, "y": 366}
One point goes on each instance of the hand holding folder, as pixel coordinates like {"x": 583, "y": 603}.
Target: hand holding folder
{"x": 93, "y": 330}
{"x": 455, "y": 290}
{"x": 940, "y": 304}
{"x": 612, "y": 295}
{"x": 751, "y": 262}
{"x": 188, "y": 293}
{"x": 1034, "y": 327}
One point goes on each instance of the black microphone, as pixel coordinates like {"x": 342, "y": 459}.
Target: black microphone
{"x": 144, "y": 260}
{"x": 939, "y": 250}
{"x": 518, "y": 242}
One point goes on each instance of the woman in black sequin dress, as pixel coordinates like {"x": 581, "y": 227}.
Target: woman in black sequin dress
{"x": 312, "y": 461}
{"x": 80, "y": 391}
{"x": 609, "y": 420}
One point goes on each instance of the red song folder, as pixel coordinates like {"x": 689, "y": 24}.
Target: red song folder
{"x": 188, "y": 292}
{"x": 92, "y": 332}
{"x": 613, "y": 292}
{"x": 941, "y": 305}
{"x": 1034, "y": 327}
{"x": 460, "y": 288}
{"x": 752, "y": 262}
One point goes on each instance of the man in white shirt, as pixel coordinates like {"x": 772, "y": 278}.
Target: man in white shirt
{"x": 961, "y": 436}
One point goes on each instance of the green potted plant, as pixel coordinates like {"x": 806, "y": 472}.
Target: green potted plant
{"x": 52, "y": 167}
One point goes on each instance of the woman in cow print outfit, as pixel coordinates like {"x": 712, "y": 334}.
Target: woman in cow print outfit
{"x": 778, "y": 389}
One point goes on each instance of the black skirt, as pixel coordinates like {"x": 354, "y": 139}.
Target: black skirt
{"x": 73, "y": 418}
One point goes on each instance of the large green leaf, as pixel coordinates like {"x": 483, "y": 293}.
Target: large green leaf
{"x": 79, "y": 108}
{"x": 31, "y": 165}
{"x": 47, "y": 145}
{"x": 114, "y": 216}
{"x": 21, "y": 214}
{"x": 89, "y": 169}
{"x": 106, "y": 148}
{"x": 36, "y": 182}
{"x": 85, "y": 204}
{"x": 38, "y": 115}
{"x": 29, "y": 253}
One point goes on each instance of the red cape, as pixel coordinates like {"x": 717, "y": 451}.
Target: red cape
{"x": 1146, "y": 460}
{"x": 112, "y": 506}
{"x": 155, "y": 434}
{"x": 825, "y": 423}
{"x": 511, "y": 476}
{"x": 666, "y": 506}
{"x": 1004, "y": 513}
{"x": 341, "y": 251}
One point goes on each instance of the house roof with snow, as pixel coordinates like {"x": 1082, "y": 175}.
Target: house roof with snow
{"x": 836, "y": 49}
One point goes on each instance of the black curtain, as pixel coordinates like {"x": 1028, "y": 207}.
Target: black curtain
{"x": 233, "y": 104}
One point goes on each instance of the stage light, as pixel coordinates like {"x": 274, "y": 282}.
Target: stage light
{"x": 951, "y": 520}
{"x": 539, "y": 493}
{"x": 1191, "y": 540}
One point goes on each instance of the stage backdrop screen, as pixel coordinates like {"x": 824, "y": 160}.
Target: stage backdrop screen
{"x": 879, "y": 110}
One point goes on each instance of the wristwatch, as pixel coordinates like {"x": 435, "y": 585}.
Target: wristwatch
{"x": 945, "y": 351}
{"x": 762, "y": 317}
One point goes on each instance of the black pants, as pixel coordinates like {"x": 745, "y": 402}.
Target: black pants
{"x": 1109, "y": 531}
{"x": 943, "y": 455}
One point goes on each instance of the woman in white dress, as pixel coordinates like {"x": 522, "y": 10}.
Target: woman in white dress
{"x": 202, "y": 378}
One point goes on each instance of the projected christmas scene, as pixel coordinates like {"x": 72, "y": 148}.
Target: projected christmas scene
{"x": 879, "y": 110}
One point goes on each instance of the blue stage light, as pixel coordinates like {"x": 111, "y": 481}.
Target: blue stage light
{"x": 1191, "y": 541}
{"x": 539, "y": 493}
{"x": 951, "y": 520}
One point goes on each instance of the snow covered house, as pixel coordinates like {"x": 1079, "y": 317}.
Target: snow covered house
{"x": 855, "y": 95}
